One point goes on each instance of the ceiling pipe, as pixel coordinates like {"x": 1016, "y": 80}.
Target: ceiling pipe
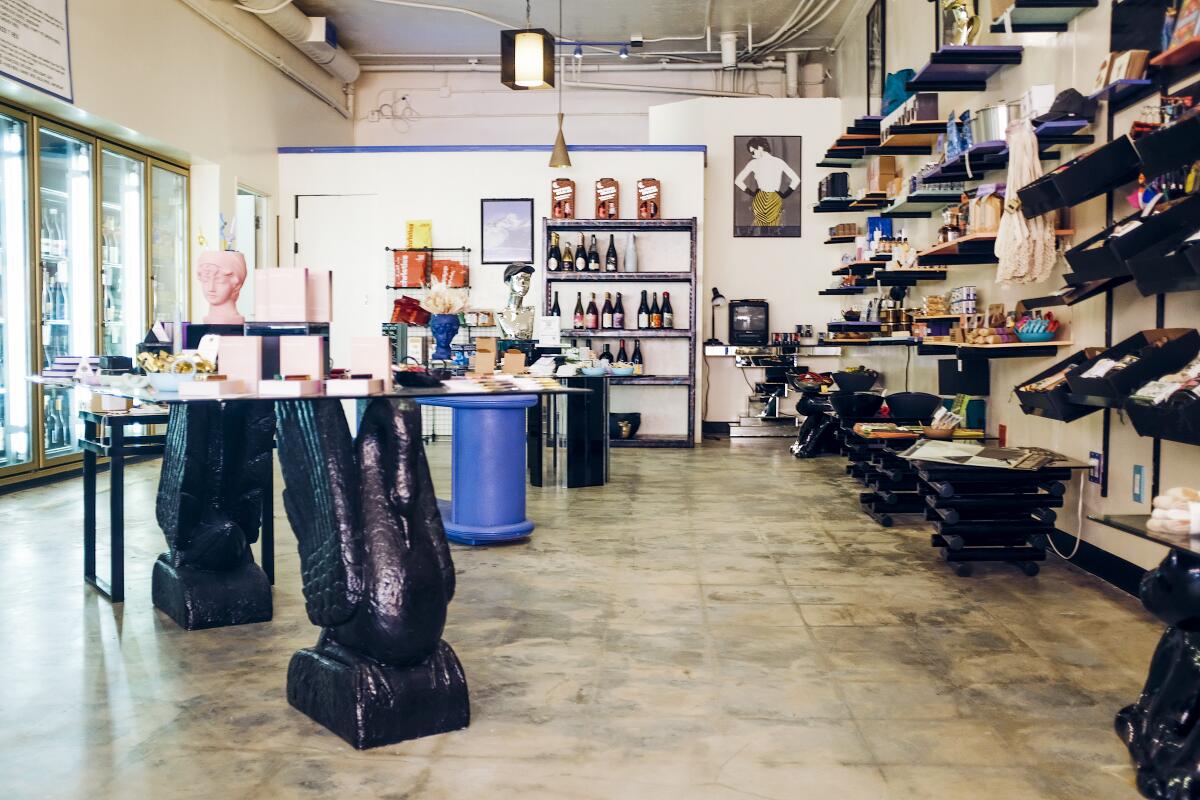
{"x": 791, "y": 80}
{"x": 635, "y": 87}
{"x": 272, "y": 59}
{"x": 292, "y": 24}
{"x": 582, "y": 68}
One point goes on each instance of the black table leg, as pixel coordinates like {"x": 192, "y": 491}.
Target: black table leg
{"x": 533, "y": 435}
{"x": 89, "y": 505}
{"x": 116, "y": 512}
{"x": 268, "y": 524}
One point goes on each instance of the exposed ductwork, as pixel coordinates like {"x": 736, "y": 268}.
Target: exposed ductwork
{"x": 292, "y": 24}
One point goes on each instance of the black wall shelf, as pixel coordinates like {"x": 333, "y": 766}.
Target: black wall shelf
{"x": 1042, "y": 16}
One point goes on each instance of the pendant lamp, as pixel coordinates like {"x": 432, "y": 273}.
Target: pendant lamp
{"x": 559, "y": 157}
{"x": 527, "y": 57}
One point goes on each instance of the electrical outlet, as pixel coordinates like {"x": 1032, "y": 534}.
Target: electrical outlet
{"x": 1139, "y": 483}
{"x": 1002, "y": 435}
{"x": 1096, "y": 472}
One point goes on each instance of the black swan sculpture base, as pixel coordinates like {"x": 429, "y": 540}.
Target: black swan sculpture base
{"x": 376, "y": 571}
{"x": 216, "y": 465}
{"x": 1161, "y": 729}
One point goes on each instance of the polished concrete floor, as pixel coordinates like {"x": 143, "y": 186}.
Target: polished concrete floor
{"x": 718, "y": 623}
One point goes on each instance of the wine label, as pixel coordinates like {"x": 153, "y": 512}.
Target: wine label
{"x": 618, "y": 320}
{"x": 643, "y": 320}
{"x": 668, "y": 320}
{"x": 578, "y": 320}
{"x": 592, "y": 322}
{"x": 607, "y": 321}
{"x": 656, "y": 321}
{"x": 552, "y": 264}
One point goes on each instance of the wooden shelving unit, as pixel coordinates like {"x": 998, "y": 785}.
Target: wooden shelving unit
{"x": 688, "y": 333}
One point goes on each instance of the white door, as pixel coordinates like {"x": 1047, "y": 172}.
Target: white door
{"x": 340, "y": 233}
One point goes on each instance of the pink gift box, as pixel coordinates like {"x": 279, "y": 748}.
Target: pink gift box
{"x": 281, "y": 295}
{"x": 320, "y": 295}
{"x": 372, "y": 355}
{"x": 302, "y": 355}
{"x": 239, "y": 358}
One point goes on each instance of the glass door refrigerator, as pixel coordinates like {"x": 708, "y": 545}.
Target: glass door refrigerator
{"x": 122, "y": 249}
{"x": 65, "y": 278}
{"x": 169, "y": 290}
{"x": 16, "y": 393}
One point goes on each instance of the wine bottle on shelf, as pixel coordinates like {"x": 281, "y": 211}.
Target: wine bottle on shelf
{"x": 610, "y": 255}
{"x": 655, "y": 313}
{"x": 51, "y": 427}
{"x": 592, "y": 318}
{"x": 606, "y": 313}
{"x": 639, "y": 364}
{"x": 593, "y": 256}
{"x": 47, "y": 293}
{"x": 668, "y": 314}
{"x": 60, "y": 300}
{"x": 45, "y": 232}
{"x": 555, "y": 310}
{"x": 554, "y": 257}
{"x": 109, "y": 312}
{"x": 568, "y": 258}
{"x": 619, "y": 313}
{"x": 607, "y": 354}
{"x": 581, "y": 258}
{"x": 622, "y": 356}
{"x": 58, "y": 239}
{"x": 578, "y": 318}
{"x": 643, "y": 320}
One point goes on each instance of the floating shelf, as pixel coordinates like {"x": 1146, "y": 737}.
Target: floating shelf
{"x": 841, "y": 239}
{"x": 1124, "y": 93}
{"x": 1180, "y": 54}
{"x": 908, "y": 277}
{"x": 878, "y": 341}
{"x": 857, "y": 268}
{"x": 963, "y": 68}
{"x": 1136, "y": 524}
{"x": 835, "y": 164}
{"x": 921, "y": 204}
{"x": 976, "y": 248}
{"x": 982, "y": 158}
{"x": 914, "y": 134}
{"x": 567, "y": 277}
{"x": 991, "y": 351}
{"x": 853, "y": 325}
{"x": 840, "y": 290}
{"x": 1042, "y": 16}
{"x": 1076, "y": 293}
{"x": 1064, "y": 132}
{"x": 883, "y": 149}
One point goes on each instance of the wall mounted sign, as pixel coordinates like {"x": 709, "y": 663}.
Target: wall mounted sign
{"x": 766, "y": 197}
{"x": 506, "y": 230}
{"x": 35, "y": 46}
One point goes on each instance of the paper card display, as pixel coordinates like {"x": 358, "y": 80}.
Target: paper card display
{"x": 210, "y": 347}
{"x": 451, "y": 272}
{"x": 649, "y": 197}
{"x": 485, "y": 355}
{"x": 513, "y": 363}
{"x": 319, "y": 303}
{"x": 547, "y": 332}
{"x": 562, "y": 198}
{"x": 281, "y": 295}
{"x": 608, "y": 199}
{"x": 419, "y": 233}
{"x": 410, "y": 268}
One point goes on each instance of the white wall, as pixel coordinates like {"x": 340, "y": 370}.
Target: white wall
{"x": 1066, "y": 60}
{"x": 158, "y": 75}
{"x": 786, "y": 272}
{"x": 475, "y": 108}
{"x": 446, "y": 187}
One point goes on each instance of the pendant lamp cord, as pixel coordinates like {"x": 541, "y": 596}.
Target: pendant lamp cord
{"x": 528, "y": 24}
{"x": 556, "y": 61}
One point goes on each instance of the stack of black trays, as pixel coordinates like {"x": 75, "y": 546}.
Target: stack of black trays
{"x": 890, "y": 481}
{"x": 981, "y": 514}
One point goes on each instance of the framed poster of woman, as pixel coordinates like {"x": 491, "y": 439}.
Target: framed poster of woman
{"x": 766, "y": 197}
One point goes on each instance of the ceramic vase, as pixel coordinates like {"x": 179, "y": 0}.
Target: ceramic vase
{"x": 444, "y": 328}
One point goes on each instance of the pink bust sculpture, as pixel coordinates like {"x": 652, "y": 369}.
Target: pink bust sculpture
{"x": 222, "y": 273}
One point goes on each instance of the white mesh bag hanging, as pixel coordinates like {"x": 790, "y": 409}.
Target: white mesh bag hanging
{"x": 1025, "y": 247}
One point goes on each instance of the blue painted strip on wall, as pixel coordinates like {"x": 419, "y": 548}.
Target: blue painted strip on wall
{"x": 505, "y": 148}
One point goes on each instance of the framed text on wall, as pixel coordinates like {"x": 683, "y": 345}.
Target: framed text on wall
{"x": 35, "y": 45}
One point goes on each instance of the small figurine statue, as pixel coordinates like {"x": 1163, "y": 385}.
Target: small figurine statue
{"x": 516, "y": 320}
{"x": 222, "y": 274}
{"x": 966, "y": 22}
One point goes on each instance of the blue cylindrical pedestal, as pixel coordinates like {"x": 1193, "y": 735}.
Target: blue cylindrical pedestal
{"x": 487, "y": 474}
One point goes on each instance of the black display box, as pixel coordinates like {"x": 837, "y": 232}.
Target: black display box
{"x": 1174, "y": 421}
{"x": 1180, "y": 347}
{"x": 1158, "y": 232}
{"x": 1165, "y": 268}
{"x": 1092, "y": 259}
{"x": 1170, "y": 147}
{"x": 1056, "y": 404}
{"x": 1083, "y": 178}
{"x": 971, "y": 376}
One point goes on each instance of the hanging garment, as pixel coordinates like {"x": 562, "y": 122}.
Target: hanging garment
{"x": 1025, "y": 247}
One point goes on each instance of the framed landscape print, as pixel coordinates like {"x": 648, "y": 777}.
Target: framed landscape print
{"x": 766, "y": 186}
{"x": 506, "y": 230}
